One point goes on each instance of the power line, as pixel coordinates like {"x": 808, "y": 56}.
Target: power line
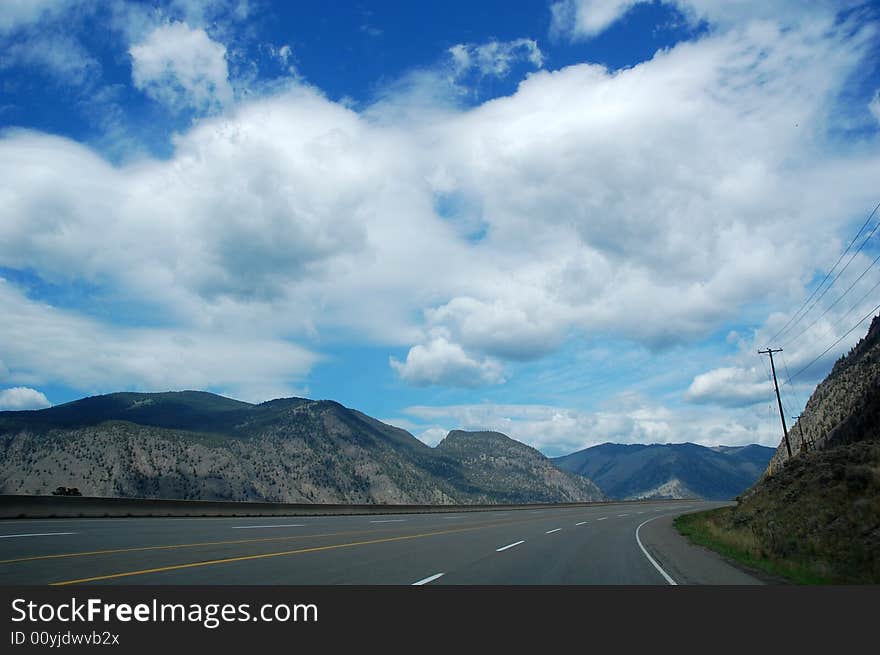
{"x": 855, "y": 306}
{"x": 797, "y": 396}
{"x": 841, "y": 297}
{"x": 839, "y": 273}
{"x": 792, "y": 320}
{"x": 816, "y": 359}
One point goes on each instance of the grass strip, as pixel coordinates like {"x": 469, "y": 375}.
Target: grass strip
{"x": 712, "y": 530}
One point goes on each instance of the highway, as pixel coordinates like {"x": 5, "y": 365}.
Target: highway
{"x": 614, "y": 544}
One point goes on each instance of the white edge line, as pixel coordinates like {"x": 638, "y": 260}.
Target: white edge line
{"x": 581, "y": 523}
{"x": 430, "y": 578}
{"x": 285, "y": 525}
{"x": 552, "y": 531}
{"x": 34, "y": 534}
{"x": 389, "y": 521}
{"x": 515, "y": 543}
{"x": 648, "y": 555}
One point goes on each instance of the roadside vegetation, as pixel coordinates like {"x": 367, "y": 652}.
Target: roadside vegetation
{"x": 815, "y": 521}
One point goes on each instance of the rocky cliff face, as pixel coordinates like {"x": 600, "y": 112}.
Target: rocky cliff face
{"x": 845, "y": 407}
{"x": 200, "y": 446}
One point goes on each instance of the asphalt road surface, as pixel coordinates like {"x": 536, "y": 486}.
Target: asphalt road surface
{"x": 626, "y": 543}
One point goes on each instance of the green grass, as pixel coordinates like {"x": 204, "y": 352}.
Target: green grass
{"x": 711, "y": 529}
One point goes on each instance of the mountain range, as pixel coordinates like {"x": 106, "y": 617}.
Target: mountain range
{"x": 197, "y": 445}
{"x": 684, "y": 470}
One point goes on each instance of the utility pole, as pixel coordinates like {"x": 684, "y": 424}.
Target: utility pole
{"x": 805, "y": 445}
{"x": 770, "y": 352}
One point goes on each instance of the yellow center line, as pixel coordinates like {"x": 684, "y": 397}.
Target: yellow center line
{"x": 135, "y": 549}
{"x": 242, "y": 558}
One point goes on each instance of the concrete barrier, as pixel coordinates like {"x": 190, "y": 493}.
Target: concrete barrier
{"x": 17, "y": 507}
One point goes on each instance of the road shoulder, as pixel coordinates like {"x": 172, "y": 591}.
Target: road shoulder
{"x": 688, "y": 563}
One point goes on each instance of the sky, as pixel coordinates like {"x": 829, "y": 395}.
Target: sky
{"x": 573, "y": 221}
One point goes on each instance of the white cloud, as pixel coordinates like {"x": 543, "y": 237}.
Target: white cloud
{"x": 515, "y": 328}
{"x": 180, "y": 67}
{"x": 433, "y": 436}
{"x": 874, "y": 105}
{"x": 18, "y": 398}
{"x": 730, "y": 387}
{"x": 43, "y": 344}
{"x": 810, "y": 346}
{"x": 583, "y": 19}
{"x": 442, "y": 362}
{"x": 651, "y": 204}
{"x": 17, "y": 14}
{"x": 57, "y": 54}
{"x": 628, "y": 418}
{"x": 494, "y": 57}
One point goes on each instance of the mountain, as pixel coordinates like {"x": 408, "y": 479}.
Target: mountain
{"x": 511, "y": 471}
{"x": 816, "y": 515}
{"x": 669, "y": 470}
{"x": 198, "y": 445}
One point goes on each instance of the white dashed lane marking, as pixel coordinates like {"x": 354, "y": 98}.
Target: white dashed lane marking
{"x": 34, "y": 534}
{"x": 254, "y": 527}
{"x": 430, "y": 578}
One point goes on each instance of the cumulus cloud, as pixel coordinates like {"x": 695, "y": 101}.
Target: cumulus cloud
{"x": 442, "y": 362}
{"x": 729, "y": 387}
{"x": 18, "y": 398}
{"x": 652, "y": 204}
{"x": 182, "y": 67}
{"x": 515, "y": 328}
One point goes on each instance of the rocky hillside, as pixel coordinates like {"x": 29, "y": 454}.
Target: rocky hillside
{"x": 498, "y": 468}
{"x": 669, "y": 470}
{"x": 816, "y": 517}
{"x": 197, "y": 445}
{"x": 845, "y": 407}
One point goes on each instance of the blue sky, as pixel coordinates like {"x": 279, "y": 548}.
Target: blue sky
{"x": 573, "y": 221}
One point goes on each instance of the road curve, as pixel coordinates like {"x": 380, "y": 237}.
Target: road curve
{"x": 626, "y": 543}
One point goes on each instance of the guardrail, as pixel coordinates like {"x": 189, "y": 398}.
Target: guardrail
{"x": 17, "y": 507}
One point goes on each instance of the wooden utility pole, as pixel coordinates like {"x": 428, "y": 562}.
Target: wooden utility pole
{"x": 805, "y": 445}
{"x": 770, "y": 352}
